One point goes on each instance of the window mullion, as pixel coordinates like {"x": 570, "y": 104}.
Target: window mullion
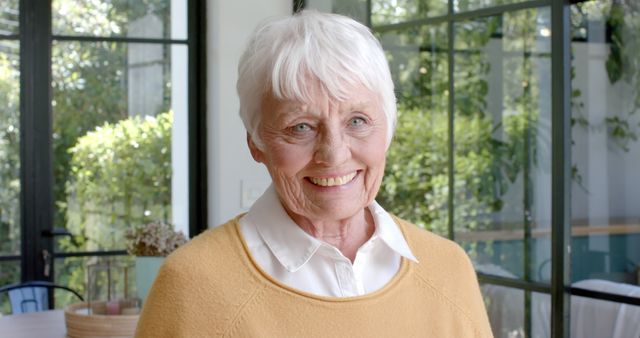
{"x": 561, "y": 168}
{"x": 35, "y": 137}
{"x": 198, "y": 186}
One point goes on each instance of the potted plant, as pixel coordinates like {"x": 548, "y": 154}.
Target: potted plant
{"x": 151, "y": 243}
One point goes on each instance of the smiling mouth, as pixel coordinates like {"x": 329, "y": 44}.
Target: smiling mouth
{"x": 333, "y": 181}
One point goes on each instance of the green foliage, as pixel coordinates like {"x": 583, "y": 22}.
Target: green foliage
{"x": 621, "y": 131}
{"x": 415, "y": 185}
{"x": 623, "y": 26}
{"x": 89, "y": 78}
{"x": 494, "y": 149}
{"x": 619, "y": 58}
{"x": 9, "y": 170}
{"x": 386, "y": 12}
{"x": 105, "y": 18}
{"x": 488, "y": 155}
{"x": 120, "y": 177}
{"x": 71, "y": 272}
{"x": 623, "y": 22}
{"x": 89, "y": 81}
{"x": 10, "y": 155}
{"x": 89, "y": 89}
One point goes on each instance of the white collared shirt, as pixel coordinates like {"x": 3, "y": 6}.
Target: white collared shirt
{"x": 295, "y": 258}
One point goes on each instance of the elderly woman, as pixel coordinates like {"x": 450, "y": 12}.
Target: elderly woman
{"x": 316, "y": 255}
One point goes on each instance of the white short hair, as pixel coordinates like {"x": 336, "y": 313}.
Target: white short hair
{"x": 334, "y": 49}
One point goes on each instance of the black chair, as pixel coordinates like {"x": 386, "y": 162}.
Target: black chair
{"x": 32, "y": 296}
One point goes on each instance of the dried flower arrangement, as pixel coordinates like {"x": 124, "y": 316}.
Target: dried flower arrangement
{"x": 153, "y": 239}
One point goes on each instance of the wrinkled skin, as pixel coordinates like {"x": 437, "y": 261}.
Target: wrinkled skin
{"x": 326, "y": 159}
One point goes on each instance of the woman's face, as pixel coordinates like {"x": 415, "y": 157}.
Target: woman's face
{"x": 326, "y": 157}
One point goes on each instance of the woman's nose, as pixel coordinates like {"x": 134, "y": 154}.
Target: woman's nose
{"x": 331, "y": 149}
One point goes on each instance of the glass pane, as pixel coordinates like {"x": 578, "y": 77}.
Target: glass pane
{"x": 9, "y": 17}
{"x": 502, "y": 154}
{"x": 9, "y": 274}
{"x": 540, "y": 315}
{"x": 415, "y": 185}
{"x": 395, "y": 11}
{"x": 505, "y": 307}
{"x": 119, "y": 112}
{"x": 72, "y": 272}
{"x": 9, "y": 148}
{"x": 467, "y": 5}
{"x": 513, "y": 311}
{"x": 591, "y": 318}
{"x": 161, "y": 19}
{"x": 356, "y": 9}
{"x": 606, "y": 150}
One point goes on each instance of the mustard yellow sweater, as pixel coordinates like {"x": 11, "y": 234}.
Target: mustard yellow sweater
{"x": 212, "y": 287}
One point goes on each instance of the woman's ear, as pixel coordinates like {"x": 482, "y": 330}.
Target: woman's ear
{"x": 256, "y": 153}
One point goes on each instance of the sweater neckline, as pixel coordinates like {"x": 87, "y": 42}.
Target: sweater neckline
{"x": 269, "y": 281}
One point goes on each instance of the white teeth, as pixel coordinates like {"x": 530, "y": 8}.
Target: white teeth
{"x": 333, "y": 181}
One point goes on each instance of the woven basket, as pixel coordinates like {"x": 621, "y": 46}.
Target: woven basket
{"x": 81, "y": 325}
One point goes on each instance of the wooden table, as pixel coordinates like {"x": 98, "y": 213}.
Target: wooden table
{"x": 46, "y": 324}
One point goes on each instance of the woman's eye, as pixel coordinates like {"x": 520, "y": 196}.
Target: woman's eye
{"x": 357, "y": 122}
{"x": 301, "y": 128}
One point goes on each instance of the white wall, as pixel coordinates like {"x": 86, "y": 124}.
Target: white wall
{"x": 180, "y": 128}
{"x": 231, "y": 167}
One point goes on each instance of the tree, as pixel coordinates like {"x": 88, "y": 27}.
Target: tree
{"x": 120, "y": 177}
{"x": 9, "y": 167}
{"x": 494, "y": 149}
{"x": 90, "y": 78}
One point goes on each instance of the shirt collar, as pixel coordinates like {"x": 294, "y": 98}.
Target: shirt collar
{"x": 389, "y": 232}
{"x": 293, "y": 247}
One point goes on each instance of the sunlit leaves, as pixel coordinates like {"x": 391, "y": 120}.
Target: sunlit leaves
{"x": 490, "y": 153}
{"x": 120, "y": 176}
{"x": 9, "y": 156}
{"x": 87, "y": 17}
{"x": 109, "y": 17}
{"x": 395, "y": 11}
{"x": 415, "y": 185}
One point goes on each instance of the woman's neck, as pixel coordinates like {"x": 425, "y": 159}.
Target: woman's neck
{"x": 347, "y": 235}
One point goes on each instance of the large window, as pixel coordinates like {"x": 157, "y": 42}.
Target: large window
{"x": 518, "y": 126}
{"x": 100, "y": 130}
